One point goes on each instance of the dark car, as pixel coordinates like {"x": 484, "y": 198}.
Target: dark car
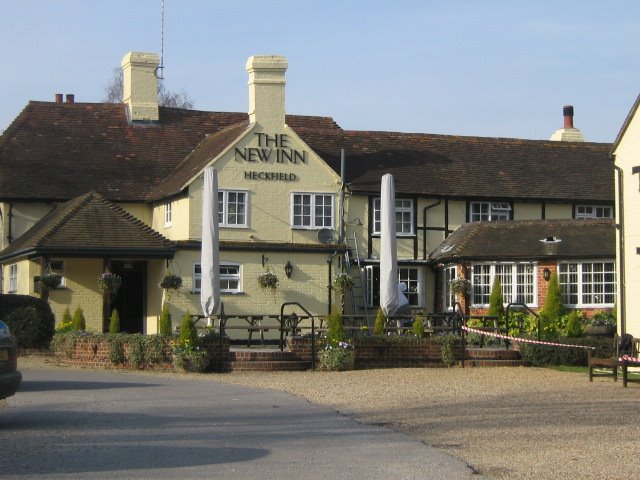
{"x": 10, "y": 377}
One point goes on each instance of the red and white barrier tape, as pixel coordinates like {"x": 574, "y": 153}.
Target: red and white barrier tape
{"x": 627, "y": 358}
{"x": 522, "y": 340}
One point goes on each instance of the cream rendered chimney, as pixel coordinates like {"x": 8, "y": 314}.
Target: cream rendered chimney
{"x": 140, "y": 85}
{"x": 569, "y": 133}
{"x": 266, "y": 90}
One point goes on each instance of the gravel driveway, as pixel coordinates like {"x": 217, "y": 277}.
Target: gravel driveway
{"x": 528, "y": 423}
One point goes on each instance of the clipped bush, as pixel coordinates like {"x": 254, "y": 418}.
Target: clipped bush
{"x": 335, "y": 330}
{"x": 553, "y": 308}
{"x": 79, "y": 323}
{"x": 188, "y": 332}
{"x": 114, "y": 322}
{"x": 165, "y": 321}
{"x": 30, "y": 319}
{"x": 418, "y": 327}
{"x": 545, "y": 355}
{"x": 378, "y": 328}
{"x": 573, "y": 324}
{"x": 496, "y": 302}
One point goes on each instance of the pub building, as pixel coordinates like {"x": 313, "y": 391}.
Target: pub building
{"x": 89, "y": 188}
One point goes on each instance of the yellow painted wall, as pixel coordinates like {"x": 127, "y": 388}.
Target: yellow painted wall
{"x": 527, "y": 211}
{"x": 180, "y": 217}
{"x": 269, "y": 200}
{"x": 627, "y": 155}
{"x": 23, "y": 217}
{"x": 558, "y": 211}
{"x": 81, "y": 290}
{"x": 139, "y": 210}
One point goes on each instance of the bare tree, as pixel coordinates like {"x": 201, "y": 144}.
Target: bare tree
{"x": 166, "y": 98}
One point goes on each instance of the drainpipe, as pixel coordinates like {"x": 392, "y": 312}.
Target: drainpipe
{"x": 9, "y": 222}
{"x": 342, "y": 233}
{"x": 621, "y": 270}
{"x": 329, "y": 264}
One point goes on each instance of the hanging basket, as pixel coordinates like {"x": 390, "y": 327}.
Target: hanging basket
{"x": 268, "y": 280}
{"x": 171, "y": 282}
{"x": 460, "y": 286}
{"x": 50, "y": 281}
{"x": 109, "y": 282}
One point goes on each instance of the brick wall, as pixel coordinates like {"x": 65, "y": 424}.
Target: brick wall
{"x": 383, "y": 353}
{"x": 93, "y": 351}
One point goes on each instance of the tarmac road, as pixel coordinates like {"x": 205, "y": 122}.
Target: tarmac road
{"x": 94, "y": 424}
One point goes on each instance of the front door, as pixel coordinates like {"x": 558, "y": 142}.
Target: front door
{"x": 130, "y": 299}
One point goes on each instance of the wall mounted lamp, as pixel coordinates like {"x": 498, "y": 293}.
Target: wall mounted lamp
{"x": 288, "y": 269}
{"x": 546, "y": 274}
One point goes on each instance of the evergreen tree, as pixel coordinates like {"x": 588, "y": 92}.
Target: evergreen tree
{"x": 114, "y": 322}
{"x": 79, "y": 324}
{"x": 378, "y": 327}
{"x": 553, "y": 307}
{"x": 165, "y": 321}
{"x": 496, "y": 301}
{"x": 188, "y": 332}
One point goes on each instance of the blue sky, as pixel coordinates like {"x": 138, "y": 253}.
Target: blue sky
{"x": 485, "y": 68}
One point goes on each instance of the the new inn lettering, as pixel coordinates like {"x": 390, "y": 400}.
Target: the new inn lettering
{"x": 271, "y": 149}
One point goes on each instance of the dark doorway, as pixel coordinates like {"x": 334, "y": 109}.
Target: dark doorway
{"x": 131, "y": 298}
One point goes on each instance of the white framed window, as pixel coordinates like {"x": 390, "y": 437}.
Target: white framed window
{"x": 593, "y": 211}
{"x": 404, "y": 216}
{"x": 167, "y": 214}
{"x": 517, "y": 280}
{"x": 13, "y": 278}
{"x": 489, "y": 211}
{"x": 311, "y": 210}
{"x": 230, "y": 277}
{"x": 233, "y": 208}
{"x": 586, "y": 284}
{"x": 449, "y": 298}
{"x": 411, "y": 276}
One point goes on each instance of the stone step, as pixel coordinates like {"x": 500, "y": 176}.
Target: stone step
{"x": 494, "y": 363}
{"x": 269, "y": 366}
{"x": 492, "y": 354}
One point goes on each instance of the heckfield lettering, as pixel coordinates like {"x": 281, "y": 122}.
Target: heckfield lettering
{"x": 285, "y": 177}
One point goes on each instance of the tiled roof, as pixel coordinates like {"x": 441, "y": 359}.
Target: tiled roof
{"x": 90, "y": 225}
{"x": 471, "y": 167}
{"x": 522, "y": 240}
{"x": 57, "y": 151}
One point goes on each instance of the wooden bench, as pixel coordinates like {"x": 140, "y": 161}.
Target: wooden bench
{"x": 621, "y": 346}
{"x": 631, "y": 360}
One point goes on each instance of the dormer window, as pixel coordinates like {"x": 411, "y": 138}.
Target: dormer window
{"x": 489, "y": 211}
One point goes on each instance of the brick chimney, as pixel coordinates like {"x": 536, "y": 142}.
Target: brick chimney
{"x": 568, "y": 133}
{"x": 266, "y": 90}
{"x": 140, "y": 86}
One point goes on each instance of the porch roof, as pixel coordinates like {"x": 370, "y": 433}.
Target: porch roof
{"x": 511, "y": 240}
{"x": 90, "y": 226}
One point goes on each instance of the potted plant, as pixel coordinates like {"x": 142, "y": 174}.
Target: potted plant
{"x": 171, "y": 282}
{"x": 602, "y": 324}
{"x": 268, "y": 280}
{"x": 460, "y": 286}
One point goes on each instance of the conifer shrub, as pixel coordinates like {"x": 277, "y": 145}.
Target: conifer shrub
{"x": 335, "y": 330}
{"x": 114, "y": 322}
{"x": 496, "y": 301}
{"x": 553, "y": 308}
{"x": 79, "y": 323}
{"x": 573, "y": 327}
{"x": 188, "y": 332}
{"x": 165, "y": 321}
{"x": 418, "y": 327}
{"x": 378, "y": 328}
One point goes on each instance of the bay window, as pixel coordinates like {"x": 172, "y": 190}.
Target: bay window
{"x": 518, "y": 282}
{"x": 586, "y": 284}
